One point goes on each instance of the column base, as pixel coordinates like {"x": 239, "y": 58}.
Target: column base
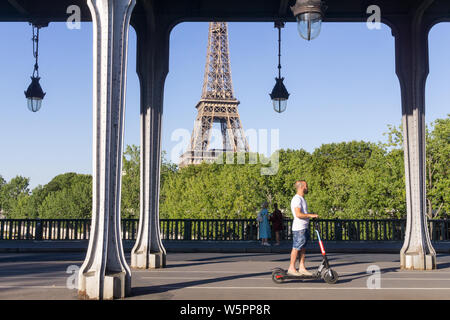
{"x": 142, "y": 260}
{"x": 115, "y": 286}
{"x": 417, "y": 261}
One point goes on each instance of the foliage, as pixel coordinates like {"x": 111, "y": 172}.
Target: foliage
{"x": 213, "y": 191}
{"x": 130, "y": 182}
{"x": 437, "y": 164}
{"x": 71, "y": 198}
{"x": 130, "y": 202}
{"x": 353, "y": 179}
{"x": 67, "y": 195}
{"x": 12, "y": 191}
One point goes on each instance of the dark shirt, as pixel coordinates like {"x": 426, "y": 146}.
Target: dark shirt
{"x": 277, "y": 220}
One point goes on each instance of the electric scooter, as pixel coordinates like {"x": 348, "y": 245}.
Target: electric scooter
{"x": 323, "y": 272}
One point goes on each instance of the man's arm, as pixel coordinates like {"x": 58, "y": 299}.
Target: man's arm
{"x": 299, "y": 214}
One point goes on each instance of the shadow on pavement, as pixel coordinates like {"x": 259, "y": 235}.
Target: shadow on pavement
{"x": 140, "y": 291}
{"x": 243, "y": 255}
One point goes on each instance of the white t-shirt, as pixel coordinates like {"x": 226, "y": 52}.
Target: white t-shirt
{"x": 299, "y": 202}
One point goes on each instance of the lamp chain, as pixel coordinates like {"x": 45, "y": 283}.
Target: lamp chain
{"x": 35, "y": 49}
{"x": 279, "y": 25}
{"x": 279, "y": 51}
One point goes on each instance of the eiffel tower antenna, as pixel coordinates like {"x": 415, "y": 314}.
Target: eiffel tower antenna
{"x": 217, "y": 103}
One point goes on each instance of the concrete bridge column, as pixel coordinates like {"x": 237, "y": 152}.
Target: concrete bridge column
{"x": 152, "y": 68}
{"x": 411, "y": 35}
{"x": 105, "y": 273}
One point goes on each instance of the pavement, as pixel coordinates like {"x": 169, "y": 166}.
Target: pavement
{"x": 219, "y": 246}
{"x": 230, "y": 276}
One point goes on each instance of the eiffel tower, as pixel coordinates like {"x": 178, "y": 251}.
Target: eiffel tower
{"x": 217, "y": 104}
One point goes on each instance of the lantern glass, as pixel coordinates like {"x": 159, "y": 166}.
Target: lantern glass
{"x": 309, "y": 25}
{"x": 34, "y": 104}
{"x": 279, "y": 105}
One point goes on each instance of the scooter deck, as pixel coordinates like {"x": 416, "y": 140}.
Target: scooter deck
{"x": 286, "y": 275}
{"x": 302, "y": 277}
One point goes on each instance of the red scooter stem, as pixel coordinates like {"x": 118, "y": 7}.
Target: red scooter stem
{"x": 322, "y": 249}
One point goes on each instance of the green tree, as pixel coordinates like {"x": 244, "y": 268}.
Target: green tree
{"x": 73, "y": 200}
{"x": 336, "y": 179}
{"x": 24, "y": 208}
{"x": 437, "y": 164}
{"x": 437, "y": 169}
{"x": 2, "y": 183}
{"x": 208, "y": 191}
{"x": 353, "y": 179}
{"x": 16, "y": 188}
{"x": 131, "y": 180}
{"x": 130, "y": 202}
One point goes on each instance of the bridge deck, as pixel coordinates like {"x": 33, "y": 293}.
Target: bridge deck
{"x": 229, "y": 276}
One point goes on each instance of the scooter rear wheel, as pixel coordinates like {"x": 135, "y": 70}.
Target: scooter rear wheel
{"x": 330, "y": 278}
{"x": 277, "y": 277}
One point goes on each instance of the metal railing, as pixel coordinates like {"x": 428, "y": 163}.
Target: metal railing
{"x": 218, "y": 229}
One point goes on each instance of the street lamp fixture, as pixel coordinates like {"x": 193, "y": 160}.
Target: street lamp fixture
{"x": 34, "y": 93}
{"x": 309, "y": 15}
{"x": 279, "y": 93}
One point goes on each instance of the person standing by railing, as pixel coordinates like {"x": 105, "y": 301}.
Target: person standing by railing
{"x": 277, "y": 223}
{"x": 264, "y": 227}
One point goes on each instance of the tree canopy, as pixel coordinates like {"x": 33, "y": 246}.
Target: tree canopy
{"x": 355, "y": 179}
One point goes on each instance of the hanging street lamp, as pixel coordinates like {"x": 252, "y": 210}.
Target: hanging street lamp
{"x": 309, "y": 15}
{"x": 279, "y": 93}
{"x": 34, "y": 93}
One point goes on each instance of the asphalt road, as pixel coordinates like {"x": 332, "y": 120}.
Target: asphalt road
{"x": 199, "y": 276}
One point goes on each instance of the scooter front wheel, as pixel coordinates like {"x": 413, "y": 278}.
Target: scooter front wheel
{"x": 330, "y": 276}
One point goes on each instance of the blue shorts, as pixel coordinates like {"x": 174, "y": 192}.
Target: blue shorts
{"x": 300, "y": 239}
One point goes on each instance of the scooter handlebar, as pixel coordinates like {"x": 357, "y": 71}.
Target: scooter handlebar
{"x": 316, "y": 225}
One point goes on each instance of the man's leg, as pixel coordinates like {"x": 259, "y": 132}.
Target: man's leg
{"x": 301, "y": 265}
{"x": 302, "y": 268}
{"x": 294, "y": 254}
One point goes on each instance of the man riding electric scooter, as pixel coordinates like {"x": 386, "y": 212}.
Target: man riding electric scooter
{"x": 300, "y": 229}
{"x": 301, "y": 236}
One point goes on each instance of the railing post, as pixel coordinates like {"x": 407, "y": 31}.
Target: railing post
{"x": 75, "y": 230}
{"x": 338, "y": 230}
{"x": 68, "y": 224}
{"x": 27, "y": 232}
{"x": 443, "y": 233}
{"x": 39, "y": 230}
{"x": 367, "y": 231}
{"x": 167, "y": 226}
{"x": 188, "y": 229}
{"x": 19, "y": 230}
{"x": 50, "y": 230}
{"x": 2, "y": 229}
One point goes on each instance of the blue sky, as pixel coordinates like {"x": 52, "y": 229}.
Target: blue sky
{"x": 343, "y": 87}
